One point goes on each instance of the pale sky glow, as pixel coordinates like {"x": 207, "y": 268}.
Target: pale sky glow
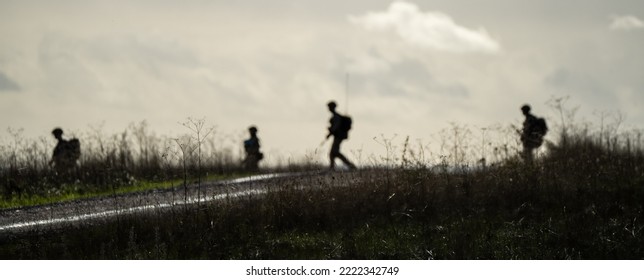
{"x": 414, "y": 66}
{"x": 626, "y": 23}
{"x": 431, "y": 29}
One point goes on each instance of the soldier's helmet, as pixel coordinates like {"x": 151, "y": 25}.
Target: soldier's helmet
{"x": 525, "y": 108}
{"x": 57, "y": 132}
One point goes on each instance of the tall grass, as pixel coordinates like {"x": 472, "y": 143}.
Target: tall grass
{"x": 580, "y": 199}
{"x": 133, "y": 157}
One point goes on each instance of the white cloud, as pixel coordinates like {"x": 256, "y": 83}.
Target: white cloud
{"x": 163, "y": 61}
{"x": 434, "y": 30}
{"x": 626, "y": 22}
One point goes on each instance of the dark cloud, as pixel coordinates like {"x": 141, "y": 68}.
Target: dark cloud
{"x": 407, "y": 78}
{"x": 414, "y": 72}
{"x": 581, "y": 84}
{"x": 149, "y": 52}
{"x": 6, "y": 84}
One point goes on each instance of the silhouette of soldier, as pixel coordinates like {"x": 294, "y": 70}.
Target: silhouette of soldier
{"x": 65, "y": 153}
{"x": 253, "y": 155}
{"x": 534, "y": 129}
{"x": 339, "y": 129}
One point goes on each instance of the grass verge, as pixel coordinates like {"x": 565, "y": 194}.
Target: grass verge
{"x": 70, "y": 192}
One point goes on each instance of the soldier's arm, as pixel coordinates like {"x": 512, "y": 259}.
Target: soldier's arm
{"x": 335, "y": 124}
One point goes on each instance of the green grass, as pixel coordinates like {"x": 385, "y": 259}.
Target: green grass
{"x": 70, "y": 192}
{"x": 511, "y": 211}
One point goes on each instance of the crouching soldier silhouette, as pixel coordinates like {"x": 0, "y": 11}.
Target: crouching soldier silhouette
{"x": 339, "y": 128}
{"x": 253, "y": 155}
{"x": 65, "y": 155}
{"x": 534, "y": 129}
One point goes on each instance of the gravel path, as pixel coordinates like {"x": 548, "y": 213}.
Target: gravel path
{"x": 63, "y": 214}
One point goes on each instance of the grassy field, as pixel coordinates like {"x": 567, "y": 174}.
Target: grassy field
{"x": 131, "y": 161}
{"x": 580, "y": 200}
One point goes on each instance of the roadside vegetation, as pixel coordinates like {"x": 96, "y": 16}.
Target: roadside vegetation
{"x": 581, "y": 199}
{"x": 131, "y": 161}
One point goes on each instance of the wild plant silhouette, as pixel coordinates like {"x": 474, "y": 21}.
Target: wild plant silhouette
{"x": 579, "y": 199}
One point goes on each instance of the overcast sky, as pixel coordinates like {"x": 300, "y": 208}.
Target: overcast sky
{"x": 414, "y": 67}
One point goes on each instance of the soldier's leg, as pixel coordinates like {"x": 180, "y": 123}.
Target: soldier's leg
{"x": 335, "y": 151}
{"x": 343, "y": 158}
{"x": 254, "y": 163}
{"x": 527, "y": 154}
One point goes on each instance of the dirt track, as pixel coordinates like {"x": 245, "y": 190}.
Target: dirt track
{"x": 63, "y": 214}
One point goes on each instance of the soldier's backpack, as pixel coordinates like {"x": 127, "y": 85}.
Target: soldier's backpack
{"x": 73, "y": 149}
{"x": 345, "y": 124}
{"x": 540, "y": 127}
